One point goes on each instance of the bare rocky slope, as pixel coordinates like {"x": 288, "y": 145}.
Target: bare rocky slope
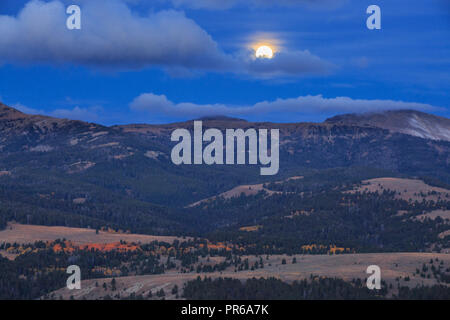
{"x": 415, "y": 123}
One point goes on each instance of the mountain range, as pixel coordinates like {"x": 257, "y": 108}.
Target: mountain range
{"x": 66, "y": 172}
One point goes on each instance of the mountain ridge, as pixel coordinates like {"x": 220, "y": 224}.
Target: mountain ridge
{"x": 412, "y": 122}
{"x": 69, "y": 172}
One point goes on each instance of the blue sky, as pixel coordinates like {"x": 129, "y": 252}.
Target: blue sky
{"x": 169, "y": 60}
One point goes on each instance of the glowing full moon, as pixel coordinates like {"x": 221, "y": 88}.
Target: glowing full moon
{"x": 264, "y": 52}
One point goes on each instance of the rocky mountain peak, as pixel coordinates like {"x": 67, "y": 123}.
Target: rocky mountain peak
{"x": 411, "y": 122}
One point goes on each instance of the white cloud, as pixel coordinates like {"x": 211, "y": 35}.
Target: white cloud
{"x": 26, "y": 109}
{"x": 289, "y": 63}
{"x": 285, "y": 109}
{"x": 91, "y": 114}
{"x": 112, "y": 36}
{"x": 149, "y": 107}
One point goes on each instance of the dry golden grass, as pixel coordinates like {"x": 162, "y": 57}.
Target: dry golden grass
{"x": 444, "y": 214}
{"x": 346, "y": 266}
{"x": 405, "y": 189}
{"x": 23, "y": 234}
{"x": 444, "y": 234}
{"x": 247, "y": 190}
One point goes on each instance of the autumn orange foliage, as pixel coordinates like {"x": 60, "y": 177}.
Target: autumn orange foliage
{"x": 69, "y": 247}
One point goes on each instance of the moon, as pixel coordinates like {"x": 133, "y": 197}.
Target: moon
{"x": 264, "y": 52}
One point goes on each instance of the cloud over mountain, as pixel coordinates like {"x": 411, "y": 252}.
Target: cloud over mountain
{"x": 160, "y": 105}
